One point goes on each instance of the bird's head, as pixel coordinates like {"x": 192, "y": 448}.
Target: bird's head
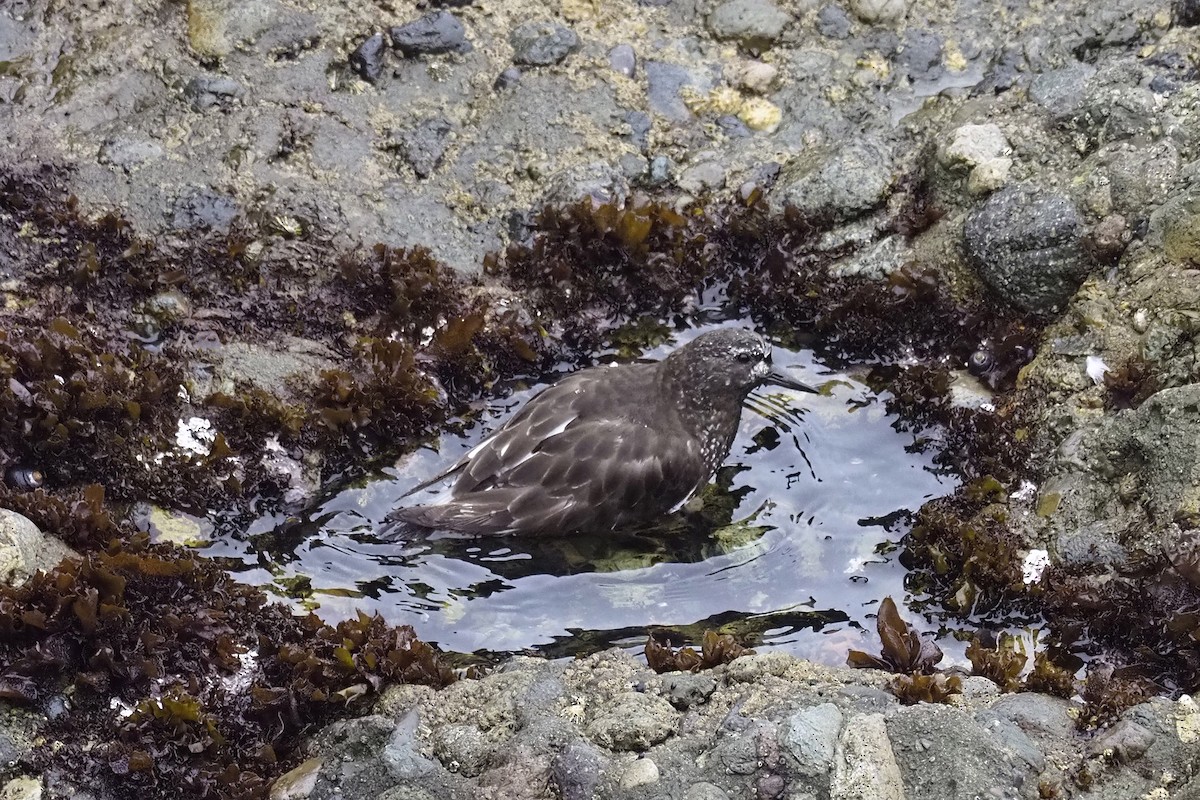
{"x": 729, "y": 361}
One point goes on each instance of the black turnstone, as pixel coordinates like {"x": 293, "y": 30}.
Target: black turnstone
{"x": 606, "y": 447}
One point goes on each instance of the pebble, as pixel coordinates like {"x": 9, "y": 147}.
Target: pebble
{"x": 207, "y": 91}
{"x": 639, "y": 123}
{"x": 753, "y": 76}
{"x": 833, "y": 22}
{"x": 879, "y": 10}
{"x": 660, "y": 170}
{"x": 811, "y": 738}
{"x": 754, "y": 24}
{"x": 760, "y": 115}
{"x": 642, "y": 772}
{"x": 664, "y": 83}
{"x": 623, "y": 60}
{"x": 424, "y": 145}
{"x": 436, "y": 32}
{"x": 733, "y": 127}
{"x": 24, "y": 549}
{"x": 367, "y": 58}
{"x": 972, "y": 144}
{"x": 989, "y": 175}
{"x": 542, "y": 43}
{"x": 507, "y": 79}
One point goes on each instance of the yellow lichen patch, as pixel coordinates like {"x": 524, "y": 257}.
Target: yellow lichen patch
{"x": 1187, "y": 720}
{"x": 952, "y": 57}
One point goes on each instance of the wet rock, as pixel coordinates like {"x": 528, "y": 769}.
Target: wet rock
{"x": 402, "y": 753}
{"x": 167, "y": 308}
{"x": 663, "y": 85}
{"x": 1176, "y": 225}
{"x": 1140, "y": 175}
{"x": 623, "y": 60}
{"x": 215, "y": 27}
{"x": 577, "y": 771}
{"x": 639, "y": 123}
{"x": 754, "y": 24}
{"x": 24, "y": 787}
{"x": 989, "y": 175}
{"x": 705, "y": 791}
{"x": 1114, "y": 112}
{"x": 842, "y": 182}
{"x": 1187, "y": 13}
{"x": 203, "y": 208}
{"x": 635, "y": 721}
{"x": 921, "y": 54}
{"x": 210, "y": 91}
{"x": 971, "y": 145}
{"x": 367, "y": 58}
{"x": 435, "y": 33}
{"x": 1093, "y": 548}
{"x": 1026, "y": 244}
{"x": 284, "y": 369}
{"x": 128, "y": 152}
{"x": 733, "y": 127}
{"x": 507, "y": 79}
{"x": 879, "y": 10}
{"x": 864, "y": 766}
{"x": 541, "y": 43}
{"x": 1124, "y": 742}
{"x": 642, "y": 772}
{"x": 833, "y": 22}
{"x": 1061, "y": 91}
{"x": 24, "y": 549}
{"x": 686, "y": 690}
{"x": 424, "y": 146}
{"x": 811, "y": 737}
{"x": 297, "y": 783}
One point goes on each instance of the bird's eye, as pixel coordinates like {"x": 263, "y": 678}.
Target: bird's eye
{"x": 745, "y": 358}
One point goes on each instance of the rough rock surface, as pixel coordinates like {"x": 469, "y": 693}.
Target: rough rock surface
{"x": 24, "y": 549}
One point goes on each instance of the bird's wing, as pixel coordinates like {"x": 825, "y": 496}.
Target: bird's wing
{"x": 593, "y": 474}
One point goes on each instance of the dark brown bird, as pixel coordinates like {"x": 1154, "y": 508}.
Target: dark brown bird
{"x": 607, "y": 447}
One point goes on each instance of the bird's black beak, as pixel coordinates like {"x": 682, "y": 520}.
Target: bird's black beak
{"x": 779, "y": 378}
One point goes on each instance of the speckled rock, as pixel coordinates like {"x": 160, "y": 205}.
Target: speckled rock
{"x": 879, "y": 10}
{"x": 435, "y": 33}
{"x": 833, "y": 22}
{"x": 843, "y": 182}
{"x": 636, "y": 721}
{"x": 754, "y": 24}
{"x": 423, "y": 146}
{"x": 542, "y": 43}
{"x": 1026, "y": 242}
{"x": 971, "y": 145}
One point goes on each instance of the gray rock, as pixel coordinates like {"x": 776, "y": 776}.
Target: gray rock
{"x": 660, "y": 170}
{"x": 685, "y": 690}
{"x": 401, "y": 755}
{"x": 623, "y": 60}
{"x": 702, "y": 178}
{"x": 945, "y": 754}
{"x": 663, "y": 84}
{"x": 633, "y": 165}
{"x": 642, "y": 772}
{"x": 1061, "y": 91}
{"x": 1140, "y": 176}
{"x": 705, "y": 791}
{"x": 833, "y": 22}
{"x": 733, "y": 127}
{"x": 598, "y": 180}
{"x": 921, "y": 54}
{"x": 367, "y": 58}
{"x": 1111, "y": 113}
{"x": 639, "y": 123}
{"x": 1026, "y": 243}
{"x": 423, "y": 146}
{"x": 203, "y": 208}
{"x": 635, "y": 721}
{"x": 1165, "y": 433}
{"x": 864, "y": 766}
{"x": 811, "y": 738}
{"x": 754, "y": 24}
{"x": 24, "y": 549}
{"x": 1093, "y": 548}
{"x": 463, "y": 749}
{"x": 507, "y": 78}
{"x": 971, "y": 145}
{"x": 841, "y": 183}
{"x": 208, "y": 91}
{"x": 578, "y": 770}
{"x": 542, "y": 43}
{"x": 1010, "y": 736}
{"x": 280, "y": 368}
{"x": 879, "y": 10}
{"x": 1124, "y": 742}
{"x": 436, "y": 32}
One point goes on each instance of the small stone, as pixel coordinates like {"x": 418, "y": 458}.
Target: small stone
{"x": 864, "y": 766}
{"x": 577, "y": 770}
{"x": 1026, "y": 244}
{"x": 22, "y": 788}
{"x": 1061, "y": 92}
{"x": 639, "y": 123}
{"x": 769, "y": 787}
{"x": 754, "y": 24}
{"x": 733, "y": 127}
{"x": 633, "y": 165}
{"x": 207, "y": 91}
{"x": 989, "y": 175}
{"x": 297, "y": 783}
{"x": 845, "y": 181}
{"x": 660, "y": 170}
{"x": 664, "y": 83}
{"x": 542, "y": 43}
{"x": 642, "y": 772}
{"x": 879, "y": 10}
{"x": 203, "y": 208}
{"x": 635, "y": 721}
{"x": 623, "y": 60}
{"x": 702, "y": 178}
{"x": 833, "y": 22}
{"x": 423, "y": 146}
{"x": 971, "y": 145}
{"x": 367, "y": 58}
{"x": 760, "y": 115}
{"x": 685, "y": 690}
{"x": 753, "y": 76}
{"x": 705, "y": 791}
{"x": 507, "y": 79}
{"x": 435, "y": 33}
{"x": 127, "y": 153}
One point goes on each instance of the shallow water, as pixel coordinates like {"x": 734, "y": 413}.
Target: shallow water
{"x": 822, "y": 483}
